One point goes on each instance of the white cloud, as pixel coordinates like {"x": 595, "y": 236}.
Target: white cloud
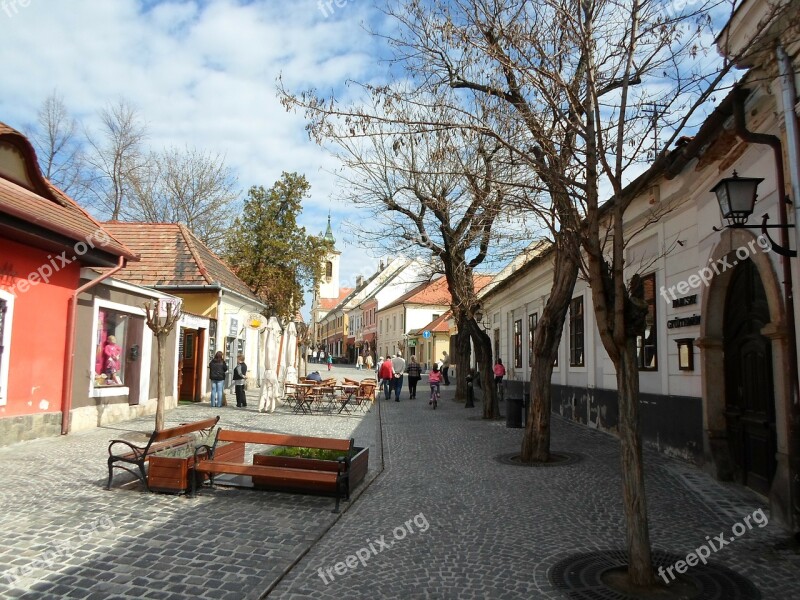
{"x": 201, "y": 73}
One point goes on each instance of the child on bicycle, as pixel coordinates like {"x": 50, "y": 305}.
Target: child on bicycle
{"x": 434, "y": 379}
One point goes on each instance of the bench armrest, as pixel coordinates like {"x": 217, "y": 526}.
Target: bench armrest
{"x": 206, "y": 448}
{"x": 138, "y": 451}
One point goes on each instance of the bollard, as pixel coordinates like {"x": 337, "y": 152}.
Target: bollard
{"x": 470, "y": 392}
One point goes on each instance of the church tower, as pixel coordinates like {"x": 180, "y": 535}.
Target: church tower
{"x": 326, "y": 296}
{"x": 329, "y": 286}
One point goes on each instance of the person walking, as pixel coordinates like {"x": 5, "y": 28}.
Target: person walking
{"x": 445, "y": 367}
{"x": 399, "y": 367}
{"x": 216, "y": 372}
{"x": 414, "y": 373}
{"x": 330, "y": 362}
{"x": 239, "y": 380}
{"x": 368, "y": 362}
{"x": 316, "y": 354}
{"x": 386, "y": 375}
{"x": 360, "y": 362}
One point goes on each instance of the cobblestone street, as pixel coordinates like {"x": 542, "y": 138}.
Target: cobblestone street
{"x": 443, "y": 520}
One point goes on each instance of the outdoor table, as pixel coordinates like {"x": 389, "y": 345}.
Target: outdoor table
{"x": 305, "y": 396}
{"x": 348, "y": 391}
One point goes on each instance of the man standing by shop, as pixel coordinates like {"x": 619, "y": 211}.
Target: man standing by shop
{"x": 399, "y": 367}
{"x": 446, "y": 367}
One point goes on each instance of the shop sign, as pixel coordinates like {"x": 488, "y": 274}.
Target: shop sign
{"x": 687, "y": 301}
{"x": 683, "y": 322}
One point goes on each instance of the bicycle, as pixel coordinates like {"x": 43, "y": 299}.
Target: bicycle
{"x": 434, "y": 395}
{"x": 501, "y": 391}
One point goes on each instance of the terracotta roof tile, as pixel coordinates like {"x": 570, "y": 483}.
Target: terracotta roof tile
{"x": 438, "y": 325}
{"x": 331, "y": 303}
{"x": 50, "y": 208}
{"x": 171, "y": 255}
{"x": 435, "y": 292}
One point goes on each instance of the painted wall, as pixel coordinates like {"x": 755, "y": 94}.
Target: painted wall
{"x": 38, "y": 329}
{"x": 203, "y": 304}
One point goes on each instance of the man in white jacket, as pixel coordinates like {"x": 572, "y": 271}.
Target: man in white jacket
{"x": 399, "y": 367}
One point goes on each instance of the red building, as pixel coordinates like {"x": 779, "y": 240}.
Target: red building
{"x": 45, "y": 240}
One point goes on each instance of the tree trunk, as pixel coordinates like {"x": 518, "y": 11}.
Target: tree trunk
{"x": 161, "y": 342}
{"x": 536, "y": 441}
{"x": 460, "y": 356}
{"x": 483, "y": 356}
{"x": 640, "y": 569}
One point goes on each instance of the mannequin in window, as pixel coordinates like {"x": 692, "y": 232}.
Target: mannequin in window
{"x": 111, "y": 355}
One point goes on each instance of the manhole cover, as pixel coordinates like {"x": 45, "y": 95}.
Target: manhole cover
{"x": 581, "y": 577}
{"x": 557, "y": 459}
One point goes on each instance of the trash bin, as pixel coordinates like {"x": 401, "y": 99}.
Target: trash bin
{"x": 514, "y": 413}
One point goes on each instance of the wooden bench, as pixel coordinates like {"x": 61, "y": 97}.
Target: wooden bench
{"x": 127, "y": 453}
{"x": 288, "y": 473}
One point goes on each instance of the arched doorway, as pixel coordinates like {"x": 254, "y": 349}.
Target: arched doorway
{"x": 749, "y": 389}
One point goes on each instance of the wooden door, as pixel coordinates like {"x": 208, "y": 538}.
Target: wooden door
{"x": 750, "y": 404}
{"x": 188, "y": 379}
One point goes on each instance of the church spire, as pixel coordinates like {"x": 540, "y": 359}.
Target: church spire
{"x": 329, "y": 232}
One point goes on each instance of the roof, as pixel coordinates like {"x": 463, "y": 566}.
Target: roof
{"x": 48, "y": 208}
{"x": 435, "y": 293}
{"x": 172, "y": 256}
{"x": 438, "y": 325}
{"x": 331, "y": 303}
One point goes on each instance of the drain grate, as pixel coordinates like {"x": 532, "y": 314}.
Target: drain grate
{"x": 579, "y": 576}
{"x": 557, "y": 459}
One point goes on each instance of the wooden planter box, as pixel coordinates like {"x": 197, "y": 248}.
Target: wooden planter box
{"x": 172, "y": 474}
{"x": 358, "y": 470}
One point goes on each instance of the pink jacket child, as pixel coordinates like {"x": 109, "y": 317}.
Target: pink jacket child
{"x": 499, "y": 370}
{"x": 435, "y": 376}
{"x": 112, "y": 353}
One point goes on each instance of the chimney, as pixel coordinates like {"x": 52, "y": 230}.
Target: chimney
{"x": 359, "y": 280}
{"x": 380, "y": 266}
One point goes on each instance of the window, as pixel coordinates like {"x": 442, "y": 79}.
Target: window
{"x": 328, "y": 270}
{"x": 646, "y": 345}
{"x": 109, "y": 364}
{"x": 576, "y": 332}
{"x": 533, "y": 320}
{"x": 518, "y": 344}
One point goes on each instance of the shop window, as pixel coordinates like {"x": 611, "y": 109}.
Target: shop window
{"x": 646, "y": 345}
{"x": 109, "y": 360}
{"x": 533, "y": 320}
{"x": 518, "y": 344}
{"x": 576, "y": 332}
{"x": 119, "y": 339}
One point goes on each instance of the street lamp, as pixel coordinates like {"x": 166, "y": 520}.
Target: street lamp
{"x": 736, "y": 197}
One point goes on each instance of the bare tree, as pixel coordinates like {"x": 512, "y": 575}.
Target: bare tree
{"x": 188, "y": 186}
{"x": 161, "y": 329}
{"x": 116, "y": 158}
{"x": 59, "y": 147}
{"x": 578, "y": 76}
{"x": 436, "y": 190}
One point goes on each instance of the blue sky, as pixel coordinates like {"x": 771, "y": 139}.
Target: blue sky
{"x": 201, "y": 73}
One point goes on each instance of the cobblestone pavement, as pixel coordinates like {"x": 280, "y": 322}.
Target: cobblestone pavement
{"x": 445, "y": 520}
{"x": 62, "y": 535}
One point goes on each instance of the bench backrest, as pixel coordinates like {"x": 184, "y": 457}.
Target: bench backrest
{"x": 280, "y": 439}
{"x": 165, "y": 434}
